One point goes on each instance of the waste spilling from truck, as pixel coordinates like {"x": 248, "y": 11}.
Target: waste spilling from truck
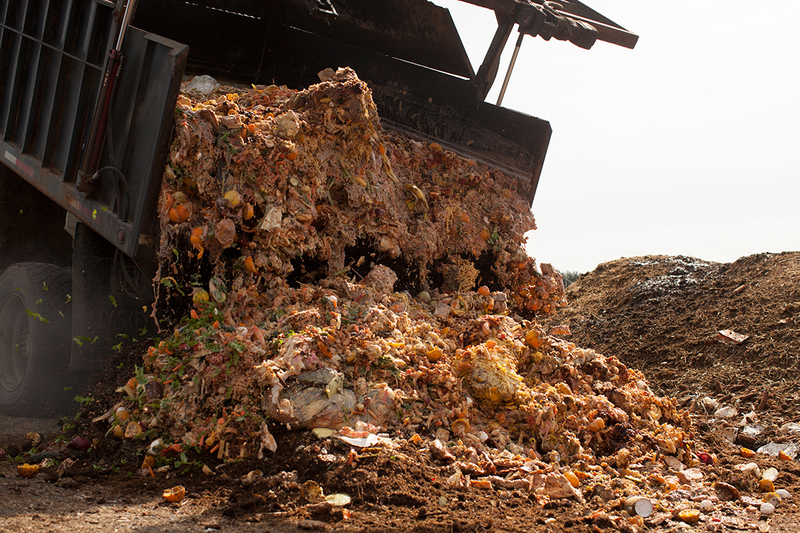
{"x": 339, "y": 278}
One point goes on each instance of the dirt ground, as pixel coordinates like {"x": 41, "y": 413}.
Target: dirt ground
{"x": 661, "y": 315}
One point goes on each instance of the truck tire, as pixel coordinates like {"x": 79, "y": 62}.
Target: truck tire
{"x": 35, "y": 337}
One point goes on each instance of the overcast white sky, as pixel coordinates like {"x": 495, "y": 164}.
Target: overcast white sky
{"x": 688, "y": 144}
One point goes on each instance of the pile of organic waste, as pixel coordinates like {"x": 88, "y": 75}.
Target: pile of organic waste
{"x": 352, "y": 332}
{"x": 322, "y": 273}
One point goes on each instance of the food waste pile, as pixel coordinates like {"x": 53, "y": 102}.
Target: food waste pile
{"x": 322, "y": 273}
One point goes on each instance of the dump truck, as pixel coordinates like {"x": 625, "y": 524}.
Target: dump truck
{"x": 88, "y": 92}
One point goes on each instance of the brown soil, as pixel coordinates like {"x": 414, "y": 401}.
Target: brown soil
{"x": 658, "y": 314}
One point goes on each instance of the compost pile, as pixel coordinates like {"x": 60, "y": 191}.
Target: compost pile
{"x": 338, "y": 277}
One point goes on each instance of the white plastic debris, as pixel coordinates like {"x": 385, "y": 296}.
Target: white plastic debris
{"x": 360, "y": 442}
{"x": 202, "y": 84}
{"x": 791, "y": 427}
{"x": 774, "y": 448}
{"x": 727, "y": 411}
{"x": 710, "y": 404}
{"x": 753, "y": 430}
{"x": 729, "y": 433}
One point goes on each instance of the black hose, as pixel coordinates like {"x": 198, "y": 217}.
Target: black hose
{"x": 120, "y": 189}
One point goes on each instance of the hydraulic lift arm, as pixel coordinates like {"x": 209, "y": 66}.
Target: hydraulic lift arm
{"x": 566, "y": 20}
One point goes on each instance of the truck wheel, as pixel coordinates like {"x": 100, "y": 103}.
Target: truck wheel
{"x": 35, "y": 337}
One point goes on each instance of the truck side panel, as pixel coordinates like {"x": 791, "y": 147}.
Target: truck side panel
{"x": 52, "y": 56}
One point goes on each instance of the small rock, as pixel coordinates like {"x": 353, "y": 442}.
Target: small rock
{"x": 690, "y": 475}
{"x": 438, "y": 450}
{"x": 312, "y": 525}
{"x": 770, "y": 474}
{"x": 767, "y": 509}
{"x": 749, "y": 468}
{"x": 673, "y": 463}
{"x": 324, "y": 507}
